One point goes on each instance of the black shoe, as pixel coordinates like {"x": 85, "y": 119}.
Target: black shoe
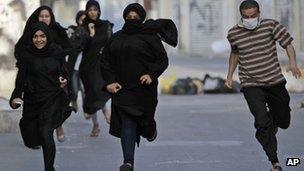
{"x": 276, "y": 168}
{"x": 35, "y": 147}
{"x": 150, "y": 139}
{"x": 126, "y": 167}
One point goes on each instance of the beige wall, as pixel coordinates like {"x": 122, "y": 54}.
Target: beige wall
{"x": 13, "y": 15}
{"x": 204, "y": 22}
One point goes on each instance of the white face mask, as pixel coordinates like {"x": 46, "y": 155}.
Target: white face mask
{"x": 250, "y": 23}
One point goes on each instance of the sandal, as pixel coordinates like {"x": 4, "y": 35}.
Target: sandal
{"x": 95, "y": 131}
{"x": 60, "y": 134}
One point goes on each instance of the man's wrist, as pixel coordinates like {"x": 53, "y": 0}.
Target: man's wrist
{"x": 229, "y": 76}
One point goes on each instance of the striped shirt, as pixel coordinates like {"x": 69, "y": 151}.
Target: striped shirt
{"x": 256, "y": 49}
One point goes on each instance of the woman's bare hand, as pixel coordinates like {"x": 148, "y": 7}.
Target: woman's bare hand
{"x": 145, "y": 79}
{"x": 63, "y": 82}
{"x": 16, "y": 102}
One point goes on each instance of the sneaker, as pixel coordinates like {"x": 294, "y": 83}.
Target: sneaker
{"x": 150, "y": 139}
{"x": 126, "y": 167}
{"x": 95, "y": 131}
{"x": 60, "y": 134}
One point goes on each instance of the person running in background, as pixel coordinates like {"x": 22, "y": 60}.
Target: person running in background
{"x": 95, "y": 97}
{"x": 253, "y": 48}
{"x": 77, "y": 36}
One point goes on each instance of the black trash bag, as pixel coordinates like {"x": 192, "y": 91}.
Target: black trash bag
{"x": 214, "y": 85}
{"x": 184, "y": 86}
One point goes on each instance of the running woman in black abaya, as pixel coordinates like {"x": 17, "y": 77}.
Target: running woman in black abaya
{"x": 132, "y": 61}
{"x": 95, "y": 96}
{"x": 58, "y": 34}
{"x": 41, "y": 88}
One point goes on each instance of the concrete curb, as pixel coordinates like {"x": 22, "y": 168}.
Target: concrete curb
{"x": 9, "y": 121}
{"x": 9, "y": 118}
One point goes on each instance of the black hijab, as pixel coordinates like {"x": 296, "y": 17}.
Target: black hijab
{"x": 78, "y": 15}
{"x": 165, "y": 28}
{"x": 136, "y": 7}
{"x": 50, "y": 49}
{"x": 34, "y": 18}
{"x": 133, "y": 26}
{"x": 44, "y": 28}
{"x": 91, "y": 3}
{"x": 87, "y": 19}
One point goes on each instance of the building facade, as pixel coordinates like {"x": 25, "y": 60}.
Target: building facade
{"x": 203, "y": 24}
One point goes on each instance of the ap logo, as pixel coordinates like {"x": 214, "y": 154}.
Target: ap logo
{"x": 293, "y": 161}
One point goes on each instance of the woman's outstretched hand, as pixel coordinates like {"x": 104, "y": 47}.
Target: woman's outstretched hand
{"x": 63, "y": 82}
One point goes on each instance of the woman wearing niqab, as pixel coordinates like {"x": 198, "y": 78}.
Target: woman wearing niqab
{"x": 132, "y": 61}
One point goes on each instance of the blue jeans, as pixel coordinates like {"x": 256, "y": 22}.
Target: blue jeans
{"x": 128, "y": 137}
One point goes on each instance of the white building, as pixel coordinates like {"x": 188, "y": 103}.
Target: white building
{"x": 203, "y": 24}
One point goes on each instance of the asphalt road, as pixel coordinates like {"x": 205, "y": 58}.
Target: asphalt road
{"x": 196, "y": 133}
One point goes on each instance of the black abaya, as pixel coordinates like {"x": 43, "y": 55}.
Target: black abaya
{"x": 90, "y": 74}
{"x": 134, "y": 51}
{"x": 45, "y": 102}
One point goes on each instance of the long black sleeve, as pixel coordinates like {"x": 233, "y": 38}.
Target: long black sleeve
{"x": 98, "y": 39}
{"x": 19, "y": 83}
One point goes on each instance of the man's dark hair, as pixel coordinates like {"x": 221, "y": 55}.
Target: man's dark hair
{"x": 247, "y": 4}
